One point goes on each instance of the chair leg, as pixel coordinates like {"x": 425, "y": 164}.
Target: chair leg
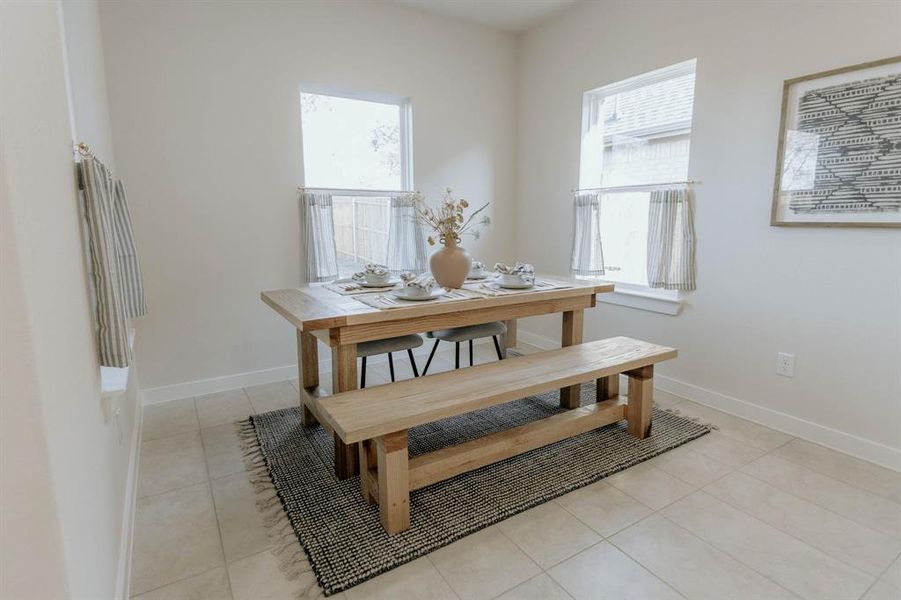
{"x": 412, "y": 362}
{"x": 470, "y": 353}
{"x": 456, "y": 355}
{"x": 497, "y": 346}
{"x": 363, "y": 374}
{"x": 431, "y": 354}
{"x": 391, "y": 366}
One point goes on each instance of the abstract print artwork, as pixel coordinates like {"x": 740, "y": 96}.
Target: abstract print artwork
{"x": 839, "y": 155}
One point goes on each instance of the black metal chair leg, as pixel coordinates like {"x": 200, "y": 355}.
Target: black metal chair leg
{"x": 470, "y": 353}
{"x": 391, "y": 366}
{"x": 363, "y": 374}
{"x": 431, "y": 354}
{"x": 500, "y": 355}
{"x": 412, "y": 362}
{"x": 456, "y": 355}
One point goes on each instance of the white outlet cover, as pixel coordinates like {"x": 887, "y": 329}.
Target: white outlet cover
{"x": 785, "y": 364}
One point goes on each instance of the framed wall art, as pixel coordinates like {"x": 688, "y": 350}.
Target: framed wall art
{"x": 839, "y": 156}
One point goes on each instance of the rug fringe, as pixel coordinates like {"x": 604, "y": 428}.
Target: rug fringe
{"x": 292, "y": 558}
{"x": 678, "y": 413}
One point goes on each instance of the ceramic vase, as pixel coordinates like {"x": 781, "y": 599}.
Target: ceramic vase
{"x": 450, "y": 265}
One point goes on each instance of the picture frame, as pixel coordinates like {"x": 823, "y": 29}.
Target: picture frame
{"x": 838, "y": 160}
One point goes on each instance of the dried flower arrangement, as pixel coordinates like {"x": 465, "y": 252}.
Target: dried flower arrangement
{"x": 447, "y": 220}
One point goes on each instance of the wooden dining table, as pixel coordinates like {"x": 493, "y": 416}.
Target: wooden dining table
{"x": 341, "y": 322}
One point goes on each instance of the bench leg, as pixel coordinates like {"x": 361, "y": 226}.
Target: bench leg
{"x": 571, "y": 397}
{"x": 394, "y": 481}
{"x": 607, "y": 388}
{"x": 641, "y": 393}
{"x": 368, "y": 466}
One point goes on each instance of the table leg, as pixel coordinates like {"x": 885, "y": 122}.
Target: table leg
{"x": 308, "y": 375}
{"x": 368, "y": 470}
{"x": 607, "y": 388}
{"x": 571, "y": 397}
{"x": 509, "y": 338}
{"x": 344, "y": 379}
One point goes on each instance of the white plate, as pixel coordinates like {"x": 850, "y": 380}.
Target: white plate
{"x": 391, "y": 282}
{"x": 510, "y": 286}
{"x": 434, "y": 294}
{"x": 477, "y": 277}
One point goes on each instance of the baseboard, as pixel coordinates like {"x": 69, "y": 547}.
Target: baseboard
{"x": 199, "y": 387}
{"x": 848, "y": 443}
{"x": 123, "y": 574}
{"x": 187, "y": 389}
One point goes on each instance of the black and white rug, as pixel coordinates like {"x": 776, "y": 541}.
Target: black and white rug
{"x": 341, "y": 539}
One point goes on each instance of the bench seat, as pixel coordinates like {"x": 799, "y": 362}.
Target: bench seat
{"x": 378, "y": 417}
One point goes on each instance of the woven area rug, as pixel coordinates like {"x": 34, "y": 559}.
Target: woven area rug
{"x": 342, "y": 543}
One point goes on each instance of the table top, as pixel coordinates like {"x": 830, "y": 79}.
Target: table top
{"x": 314, "y": 307}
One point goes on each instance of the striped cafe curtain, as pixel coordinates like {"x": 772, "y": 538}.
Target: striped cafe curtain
{"x": 587, "y": 258}
{"x": 318, "y": 220}
{"x": 406, "y": 242}
{"x": 114, "y": 269}
{"x": 671, "y": 240}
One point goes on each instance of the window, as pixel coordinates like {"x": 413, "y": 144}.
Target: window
{"x": 635, "y": 132}
{"x": 358, "y": 147}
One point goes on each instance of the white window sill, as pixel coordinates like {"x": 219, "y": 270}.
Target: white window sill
{"x": 114, "y": 380}
{"x": 643, "y": 299}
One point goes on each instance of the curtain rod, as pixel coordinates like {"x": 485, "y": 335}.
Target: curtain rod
{"x": 353, "y": 191}
{"x": 645, "y": 186}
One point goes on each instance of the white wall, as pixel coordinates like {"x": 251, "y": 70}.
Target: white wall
{"x": 205, "y": 108}
{"x": 64, "y": 470}
{"x": 830, "y": 296}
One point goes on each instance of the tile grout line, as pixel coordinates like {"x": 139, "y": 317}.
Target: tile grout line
{"x": 637, "y": 562}
{"x": 794, "y": 537}
{"x": 179, "y": 581}
{"x": 830, "y": 476}
{"x": 880, "y": 578}
{"x": 735, "y": 558}
{"x": 826, "y": 508}
{"x": 735, "y": 439}
{"x": 216, "y": 511}
{"x": 441, "y": 575}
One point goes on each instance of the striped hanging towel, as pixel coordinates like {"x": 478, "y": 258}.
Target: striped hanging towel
{"x": 115, "y": 272}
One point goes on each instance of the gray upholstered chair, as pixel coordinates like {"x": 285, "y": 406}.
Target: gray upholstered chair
{"x": 387, "y": 346}
{"x": 466, "y": 334}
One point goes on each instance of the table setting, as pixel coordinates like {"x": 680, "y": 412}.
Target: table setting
{"x": 453, "y": 274}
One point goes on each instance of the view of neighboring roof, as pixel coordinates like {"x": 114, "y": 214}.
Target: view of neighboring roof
{"x": 653, "y": 109}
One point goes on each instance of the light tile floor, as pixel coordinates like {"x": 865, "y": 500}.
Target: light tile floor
{"x": 745, "y": 512}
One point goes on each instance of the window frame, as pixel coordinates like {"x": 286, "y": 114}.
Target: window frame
{"x": 630, "y": 294}
{"x": 404, "y": 103}
{"x": 405, "y": 106}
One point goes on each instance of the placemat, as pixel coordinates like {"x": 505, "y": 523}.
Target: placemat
{"x": 541, "y": 285}
{"x": 348, "y": 287}
{"x": 388, "y": 301}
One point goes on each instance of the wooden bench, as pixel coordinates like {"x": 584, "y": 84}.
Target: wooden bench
{"x": 377, "y": 418}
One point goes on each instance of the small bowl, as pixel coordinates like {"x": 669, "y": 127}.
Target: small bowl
{"x": 372, "y": 278}
{"x": 415, "y": 291}
{"x": 512, "y": 279}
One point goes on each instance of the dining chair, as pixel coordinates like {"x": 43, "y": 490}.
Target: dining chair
{"x": 457, "y": 335}
{"x": 387, "y": 346}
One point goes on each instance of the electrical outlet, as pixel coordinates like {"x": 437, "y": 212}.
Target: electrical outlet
{"x": 785, "y": 364}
